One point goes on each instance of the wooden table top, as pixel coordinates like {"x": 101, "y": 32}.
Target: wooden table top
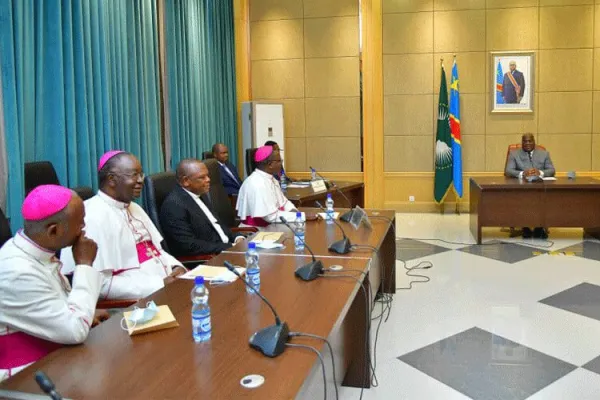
{"x": 168, "y": 364}
{"x": 306, "y": 193}
{"x": 503, "y": 182}
{"x": 319, "y": 235}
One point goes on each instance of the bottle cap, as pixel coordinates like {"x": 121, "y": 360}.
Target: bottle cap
{"x": 252, "y": 245}
{"x": 298, "y": 214}
{"x": 328, "y": 195}
{"x": 199, "y": 280}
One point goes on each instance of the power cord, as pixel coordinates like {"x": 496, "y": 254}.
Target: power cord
{"x": 305, "y": 346}
{"x": 367, "y": 327}
{"x": 310, "y": 335}
{"x": 409, "y": 270}
{"x": 548, "y": 243}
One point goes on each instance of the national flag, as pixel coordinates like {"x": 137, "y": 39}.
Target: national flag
{"x": 457, "y": 177}
{"x": 443, "y": 146}
{"x": 499, "y": 84}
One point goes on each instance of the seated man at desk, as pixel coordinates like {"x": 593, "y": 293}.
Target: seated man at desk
{"x": 40, "y": 310}
{"x": 261, "y": 201}
{"x": 186, "y": 217}
{"x": 282, "y": 172}
{"x": 229, "y": 175}
{"x": 530, "y": 161}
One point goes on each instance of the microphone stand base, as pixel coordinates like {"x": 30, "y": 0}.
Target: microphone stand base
{"x": 310, "y": 271}
{"x": 271, "y": 340}
{"x": 341, "y": 246}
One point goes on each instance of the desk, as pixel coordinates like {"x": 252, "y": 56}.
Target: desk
{"x": 168, "y": 364}
{"x": 502, "y": 201}
{"x": 319, "y": 235}
{"x": 305, "y": 197}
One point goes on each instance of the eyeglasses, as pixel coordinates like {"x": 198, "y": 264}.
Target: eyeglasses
{"x": 135, "y": 175}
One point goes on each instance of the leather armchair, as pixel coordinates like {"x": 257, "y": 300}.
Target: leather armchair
{"x": 43, "y": 173}
{"x": 250, "y": 163}
{"x": 5, "y": 232}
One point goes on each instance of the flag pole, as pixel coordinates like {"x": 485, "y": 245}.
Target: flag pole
{"x": 443, "y": 202}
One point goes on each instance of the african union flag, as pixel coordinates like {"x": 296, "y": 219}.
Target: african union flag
{"x": 455, "y": 132}
{"x": 443, "y": 147}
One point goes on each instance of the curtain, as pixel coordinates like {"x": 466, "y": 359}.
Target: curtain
{"x": 79, "y": 77}
{"x": 201, "y": 102}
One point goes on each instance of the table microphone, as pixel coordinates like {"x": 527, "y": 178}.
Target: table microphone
{"x": 341, "y": 246}
{"x": 47, "y": 385}
{"x": 313, "y": 269}
{"x": 271, "y": 340}
{"x": 347, "y": 216}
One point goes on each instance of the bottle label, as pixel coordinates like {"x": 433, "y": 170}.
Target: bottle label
{"x": 202, "y": 323}
{"x": 254, "y": 278}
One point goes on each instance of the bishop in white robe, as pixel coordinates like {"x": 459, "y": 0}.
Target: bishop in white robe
{"x": 39, "y": 310}
{"x": 260, "y": 200}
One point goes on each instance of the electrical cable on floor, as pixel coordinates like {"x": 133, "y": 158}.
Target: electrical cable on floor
{"x": 310, "y": 335}
{"x": 420, "y": 265}
{"x": 548, "y": 243}
{"x": 322, "y": 364}
{"x": 367, "y": 327}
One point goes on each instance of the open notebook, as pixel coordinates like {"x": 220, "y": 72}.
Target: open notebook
{"x": 213, "y": 273}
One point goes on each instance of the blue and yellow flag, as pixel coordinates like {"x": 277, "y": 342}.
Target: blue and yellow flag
{"x": 499, "y": 83}
{"x": 457, "y": 177}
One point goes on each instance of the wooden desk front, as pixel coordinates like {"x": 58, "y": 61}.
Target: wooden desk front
{"x": 168, "y": 364}
{"x": 502, "y": 201}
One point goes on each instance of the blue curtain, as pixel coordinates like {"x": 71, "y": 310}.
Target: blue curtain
{"x": 79, "y": 77}
{"x": 200, "y": 59}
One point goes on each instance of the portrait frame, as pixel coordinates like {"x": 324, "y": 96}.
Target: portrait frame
{"x": 512, "y": 92}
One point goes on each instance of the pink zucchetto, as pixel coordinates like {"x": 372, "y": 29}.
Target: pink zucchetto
{"x": 107, "y": 156}
{"x": 262, "y": 153}
{"x": 44, "y": 201}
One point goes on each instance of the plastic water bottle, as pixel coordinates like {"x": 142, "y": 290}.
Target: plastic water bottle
{"x": 252, "y": 268}
{"x": 313, "y": 174}
{"x": 329, "y": 209}
{"x": 201, "y": 328}
{"x": 283, "y": 181}
{"x": 299, "y": 228}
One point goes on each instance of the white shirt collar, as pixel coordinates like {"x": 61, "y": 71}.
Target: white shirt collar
{"x": 112, "y": 202}
{"x": 264, "y": 174}
{"x": 23, "y": 242}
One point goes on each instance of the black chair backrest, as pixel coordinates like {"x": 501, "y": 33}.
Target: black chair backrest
{"x": 250, "y": 163}
{"x": 157, "y": 188}
{"x": 39, "y": 173}
{"x": 85, "y": 192}
{"x": 218, "y": 196}
{"x": 207, "y": 154}
{"x": 5, "y": 232}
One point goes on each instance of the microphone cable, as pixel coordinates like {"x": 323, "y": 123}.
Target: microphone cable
{"x": 305, "y": 346}
{"x": 310, "y": 335}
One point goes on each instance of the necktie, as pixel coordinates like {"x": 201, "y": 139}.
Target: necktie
{"x": 530, "y": 158}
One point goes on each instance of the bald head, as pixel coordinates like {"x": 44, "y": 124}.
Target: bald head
{"x": 192, "y": 175}
{"x": 221, "y": 152}
{"x": 528, "y": 142}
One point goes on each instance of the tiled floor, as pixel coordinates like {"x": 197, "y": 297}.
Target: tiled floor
{"x": 511, "y": 319}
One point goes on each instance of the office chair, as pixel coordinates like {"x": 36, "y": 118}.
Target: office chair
{"x": 5, "y": 232}
{"x": 207, "y": 154}
{"x": 39, "y": 173}
{"x": 250, "y": 163}
{"x": 220, "y": 200}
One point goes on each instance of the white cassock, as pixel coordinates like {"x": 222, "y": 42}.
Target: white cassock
{"x": 39, "y": 310}
{"x": 261, "y": 201}
{"x": 130, "y": 257}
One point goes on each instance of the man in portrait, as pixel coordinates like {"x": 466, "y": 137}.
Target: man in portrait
{"x": 513, "y": 85}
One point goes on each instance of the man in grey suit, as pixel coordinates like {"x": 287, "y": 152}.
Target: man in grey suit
{"x": 526, "y": 162}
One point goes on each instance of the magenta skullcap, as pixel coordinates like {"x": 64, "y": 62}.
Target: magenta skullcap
{"x": 44, "y": 201}
{"x": 262, "y": 153}
{"x": 107, "y": 156}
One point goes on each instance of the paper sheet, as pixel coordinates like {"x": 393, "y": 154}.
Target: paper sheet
{"x": 212, "y": 273}
{"x": 164, "y": 319}
{"x": 267, "y": 237}
{"x": 549, "y": 178}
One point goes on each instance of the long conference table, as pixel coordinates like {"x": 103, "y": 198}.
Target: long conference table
{"x": 168, "y": 364}
{"x": 306, "y": 197}
{"x": 501, "y": 201}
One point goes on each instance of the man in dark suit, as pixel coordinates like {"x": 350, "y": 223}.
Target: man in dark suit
{"x": 229, "y": 175}
{"x": 186, "y": 216}
{"x": 513, "y": 85}
{"x": 529, "y": 161}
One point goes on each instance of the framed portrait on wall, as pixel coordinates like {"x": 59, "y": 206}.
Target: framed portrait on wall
{"x": 512, "y": 82}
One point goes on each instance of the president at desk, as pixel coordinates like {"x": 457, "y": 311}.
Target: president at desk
{"x": 529, "y": 161}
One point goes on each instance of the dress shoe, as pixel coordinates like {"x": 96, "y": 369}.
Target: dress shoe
{"x": 527, "y": 233}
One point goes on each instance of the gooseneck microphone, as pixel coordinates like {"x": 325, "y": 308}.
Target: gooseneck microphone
{"x": 271, "y": 340}
{"x": 341, "y": 246}
{"x": 347, "y": 216}
{"x": 313, "y": 269}
{"x": 47, "y": 385}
